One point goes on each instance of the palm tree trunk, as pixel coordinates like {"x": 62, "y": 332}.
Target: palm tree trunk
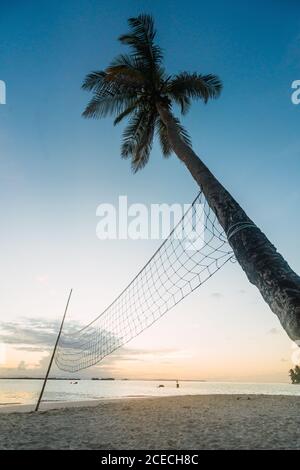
{"x": 264, "y": 266}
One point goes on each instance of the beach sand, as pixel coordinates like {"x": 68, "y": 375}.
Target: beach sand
{"x": 185, "y": 422}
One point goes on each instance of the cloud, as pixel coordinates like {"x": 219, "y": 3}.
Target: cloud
{"x": 38, "y": 335}
{"x": 144, "y": 352}
{"x": 34, "y": 334}
{"x": 216, "y": 295}
{"x": 25, "y": 369}
{"x": 30, "y": 348}
{"x": 42, "y": 279}
{"x": 273, "y": 331}
{"x": 126, "y": 354}
{"x": 22, "y": 366}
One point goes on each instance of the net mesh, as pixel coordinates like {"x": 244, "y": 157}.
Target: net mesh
{"x": 195, "y": 249}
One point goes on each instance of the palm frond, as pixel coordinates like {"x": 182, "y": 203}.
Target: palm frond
{"x": 94, "y": 80}
{"x": 131, "y": 132}
{"x": 184, "y": 102}
{"x": 105, "y": 84}
{"x": 128, "y": 61}
{"x": 143, "y": 27}
{"x": 126, "y": 66}
{"x": 101, "y": 106}
{"x": 126, "y": 112}
{"x": 183, "y": 133}
{"x": 144, "y": 145}
{"x": 193, "y": 85}
{"x": 141, "y": 40}
{"x": 111, "y": 95}
{"x": 138, "y": 138}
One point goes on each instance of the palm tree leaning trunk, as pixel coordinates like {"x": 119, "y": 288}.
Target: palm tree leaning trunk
{"x": 136, "y": 86}
{"x": 264, "y": 266}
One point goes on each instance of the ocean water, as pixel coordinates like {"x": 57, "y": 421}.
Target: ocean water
{"x": 15, "y": 391}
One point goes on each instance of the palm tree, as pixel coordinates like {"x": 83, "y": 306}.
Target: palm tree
{"x": 295, "y": 375}
{"x": 136, "y": 86}
{"x": 292, "y": 376}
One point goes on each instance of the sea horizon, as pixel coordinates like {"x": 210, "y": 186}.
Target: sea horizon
{"x": 26, "y": 391}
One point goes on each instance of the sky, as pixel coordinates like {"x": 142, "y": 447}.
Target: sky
{"x": 56, "y": 168}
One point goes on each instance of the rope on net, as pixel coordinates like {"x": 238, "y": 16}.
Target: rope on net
{"x": 195, "y": 249}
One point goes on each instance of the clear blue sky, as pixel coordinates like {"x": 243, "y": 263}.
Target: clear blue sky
{"x": 56, "y": 167}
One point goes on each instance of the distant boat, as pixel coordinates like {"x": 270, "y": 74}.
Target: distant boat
{"x": 160, "y": 385}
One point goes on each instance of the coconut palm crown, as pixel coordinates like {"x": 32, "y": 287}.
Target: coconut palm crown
{"x": 132, "y": 86}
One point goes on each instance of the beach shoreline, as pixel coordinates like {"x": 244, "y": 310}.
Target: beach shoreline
{"x": 63, "y": 405}
{"x": 182, "y": 422}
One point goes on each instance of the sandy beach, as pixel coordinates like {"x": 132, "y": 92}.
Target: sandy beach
{"x": 186, "y": 422}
